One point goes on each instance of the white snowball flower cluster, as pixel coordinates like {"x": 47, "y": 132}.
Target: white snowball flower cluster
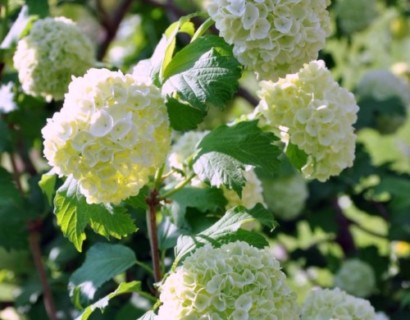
{"x": 317, "y": 116}
{"x": 355, "y": 15}
{"x": 335, "y": 304}
{"x": 236, "y": 282}
{"x": 286, "y": 196}
{"x": 272, "y": 37}
{"x": 111, "y": 135}
{"x": 54, "y": 50}
{"x": 356, "y": 277}
{"x": 252, "y": 192}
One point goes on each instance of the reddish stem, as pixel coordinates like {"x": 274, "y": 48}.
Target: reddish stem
{"x": 34, "y": 242}
{"x": 153, "y": 203}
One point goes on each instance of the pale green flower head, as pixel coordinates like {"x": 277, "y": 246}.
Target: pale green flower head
{"x": 235, "y": 282}
{"x": 355, "y": 15}
{"x": 335, "y": 304}
{"x": 310, "y": 110}
{"x": 272, "y": 37}
{"x": 286, "y": 196}
{"x": 111, "y": 135}
{"x": 356, "y": 277}
{"x": 53, "y": 51}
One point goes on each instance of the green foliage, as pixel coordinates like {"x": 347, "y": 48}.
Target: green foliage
{"x": 74, "y": 215}
{"x": 225, "y": 228}
{"x": 363, "y": 213}
{"x": 103, "y": 261}
{"x": 123, "y": 288}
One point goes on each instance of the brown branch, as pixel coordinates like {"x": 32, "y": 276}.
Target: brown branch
{"x": 34, "y": 242}
{"x": 111, "y": 27}
{"x": 344, "y": 237}
{"x": 153, "y": 202}
{"x": 245, "y": 94}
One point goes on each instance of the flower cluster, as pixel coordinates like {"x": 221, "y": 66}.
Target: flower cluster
{"x": 336, "y": 304}
{"x": 251, "y": 192}
{"x": 316, "y": 115}
{"x": 236, "y": 281}
{"x": 110, "y": 135}
{"x": 286, "y": 196}
{"x": 355, "y": 15}
{"x": 273, "y": 38}
{"x": 54, "y": 50}
{"x": 356, "y": 277}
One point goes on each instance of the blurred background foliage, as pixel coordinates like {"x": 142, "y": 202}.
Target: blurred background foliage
{"x": 364, "y": 213}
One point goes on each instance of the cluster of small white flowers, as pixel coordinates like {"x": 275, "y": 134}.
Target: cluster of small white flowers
{"x": 111, "y": 135}
{"x": 252, "y": 192}
{"x": 355, "y": 15}
{"x": 335, "y": 304}
{"x": 54, "y": 50}
{"x": 356, "y": 277}
{"x": 236, "y": 281}
{"x": 286, "y": 196}
{"x": 316, "y": 114}
{"x": 272, "y": 37}
{"x": 383, "y": 84}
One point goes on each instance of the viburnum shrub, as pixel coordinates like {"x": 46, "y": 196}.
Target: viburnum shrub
{"x": 203, "y": 160}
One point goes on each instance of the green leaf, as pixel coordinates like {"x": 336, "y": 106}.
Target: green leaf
{"x": 16, "y": 29}
{"x": 256, "y": 239}
{"x": 47, "y": 184}
{"x": 202, "y": 73}
{"x": 38, "y": 7}
{"x": 244, "y": 141}
{"x": 123, "y": 288}
{"x": 242, "y": 144}
{"x": 296, "y": 156}
{"x": 102, "y": 262}
{"x": 74, "y": 214}
{"x": 13, "y": 233}
{"x": 221, "y": 169}
{"x": 208, "y": 199}
{"x": 165, "y": 49}
{"x": 182, "y": 116}
{"x": 228, "y": 225}
{"x": 138, "y": 201}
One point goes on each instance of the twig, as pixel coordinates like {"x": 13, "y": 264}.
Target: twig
{"x": 243, "y": 93}
{"x": 344, "y": 237}
{"x": 153, "y": 202}
{"x": 111, "y": 27}
{"x": 34, "y": 243}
